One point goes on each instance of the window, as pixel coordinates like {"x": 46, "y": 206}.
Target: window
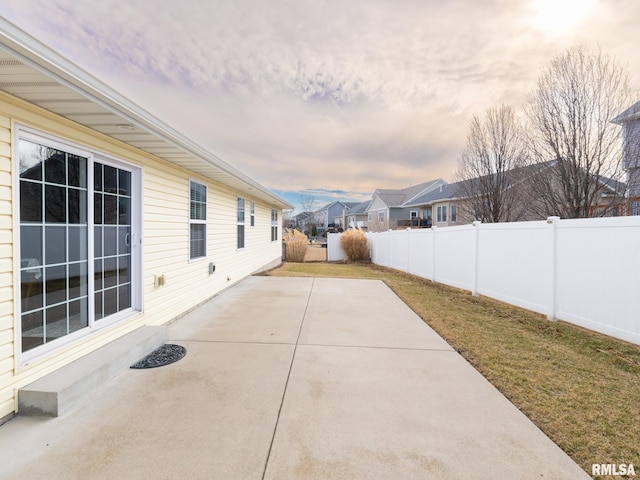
{"x": 413, "y": 214}
{"x": 79, "y": 216}
{"x": 454, "y": 213}
{"x": 240, "y": 222}
{"x": 253, "y": 214}
{"x": 274, "y": 225}
{"x": 441, "y": 214}
{"x": 381, "y": 216}
{"x": 369, "y": 217}
{"x": 197, "y": 220}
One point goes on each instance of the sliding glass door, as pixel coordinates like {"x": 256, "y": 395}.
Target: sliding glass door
{"x": 76, "y": 227}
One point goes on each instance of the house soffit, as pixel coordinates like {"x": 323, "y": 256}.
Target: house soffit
{"x": 32, "y": 72}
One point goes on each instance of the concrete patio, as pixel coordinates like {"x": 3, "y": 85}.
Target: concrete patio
{"x": 292, "y": 378}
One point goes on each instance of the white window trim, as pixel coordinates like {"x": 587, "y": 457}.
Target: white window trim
{"x": 243, "y": 223}
{"x": 199, "y": 222}
{"x": 453, "y": 213}
{"x": 24, "y": 359}
{"x": 414, "y": 215}
{"x": 252, "y": 214}
{"x": 274, "y": 223}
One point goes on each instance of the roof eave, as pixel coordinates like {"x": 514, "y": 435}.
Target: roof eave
{"x": 32, "y": 52}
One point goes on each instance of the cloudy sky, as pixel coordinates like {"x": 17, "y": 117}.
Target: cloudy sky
{"x": 327, "y": 99}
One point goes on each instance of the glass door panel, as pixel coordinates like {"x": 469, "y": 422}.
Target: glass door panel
{"x": 112, "y": 240}
{"x": 53, "y": 243}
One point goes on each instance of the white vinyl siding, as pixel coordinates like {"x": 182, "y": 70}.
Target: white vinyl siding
{"x": 165, "y": 241}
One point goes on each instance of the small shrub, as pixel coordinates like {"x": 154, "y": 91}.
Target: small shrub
{"x": 355, "y": 245}
{"x": 296, "y": 245}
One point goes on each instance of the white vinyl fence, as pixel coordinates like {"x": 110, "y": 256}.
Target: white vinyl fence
{"x": 584, "y": 271}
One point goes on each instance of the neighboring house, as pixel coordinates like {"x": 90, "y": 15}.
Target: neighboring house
{"x": 630, "y": 121}
{"x": 455, "y": 204}
{"x": 389, "y": 208}
{"x": 110, "y": 220}
{"x": 440, "y": 207}
{"x": 303, "y": 222}
{"x": 356, "y": 216}
{"x": 326, "y": 216}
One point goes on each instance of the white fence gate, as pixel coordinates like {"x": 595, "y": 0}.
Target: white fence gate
{"x": 584, "y": 271}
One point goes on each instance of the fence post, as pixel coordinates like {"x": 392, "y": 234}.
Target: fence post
{"x": 433, "y": 254}
{"x": 552, "y": 223}
{"x": 408, "y": 250}
{"x": 476, "y": 224}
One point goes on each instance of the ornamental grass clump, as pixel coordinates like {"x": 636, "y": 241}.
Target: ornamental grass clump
{"x": 355, "y": 245}
{"x": 296, "y": 245}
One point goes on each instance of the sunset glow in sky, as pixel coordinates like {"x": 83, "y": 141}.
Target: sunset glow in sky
{"x": 327, "y": 99}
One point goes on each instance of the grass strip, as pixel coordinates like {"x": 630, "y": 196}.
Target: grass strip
{"x": 579, "y": 387}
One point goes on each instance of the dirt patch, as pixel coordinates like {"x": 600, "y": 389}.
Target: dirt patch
{"x": 316, "y": 253}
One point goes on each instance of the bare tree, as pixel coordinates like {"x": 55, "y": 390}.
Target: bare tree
{"x": 572, "y": 136}
{"x": 489, "y": 167}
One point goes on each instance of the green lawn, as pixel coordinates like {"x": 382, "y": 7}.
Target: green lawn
{"x": 581, "y": 388}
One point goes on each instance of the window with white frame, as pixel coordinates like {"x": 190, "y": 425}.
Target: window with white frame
{"x": 441, "y": 213}
{"x": 381, "y": 216}
{"x": 253, "y": 213}
{"x": 78, "y": 221}
{"x": 274, "y": 225}
{"x": 453, "y": 212}
{"x": 240, "y": 221}
{"x": 197, "y": 220}
{"x": 413, "y": 214}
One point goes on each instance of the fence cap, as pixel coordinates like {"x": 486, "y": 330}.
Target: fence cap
{"x": 552, "y": 219}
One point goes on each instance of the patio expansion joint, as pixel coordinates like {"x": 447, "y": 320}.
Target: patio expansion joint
{"x": 379, "y": 347}
{"x": 231, "y": 342}
{"x": 286, "y": 383}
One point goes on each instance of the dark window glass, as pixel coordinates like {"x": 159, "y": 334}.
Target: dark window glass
{"x": 78, "y": 315}
{"x": 124, "y": 300}
{"x": 97, "y": 241}
{"x": 77, "y": 171}
{"x": 55, "y": 246}
{"x": 97, "y": 208}
{"x": 77, "y": 243}
{"x": 30, "y": 246}
{"x": 77, "y": 280}
{"x": 240, "y": 236}
{"x": 110, "y": 210}
{"x": 110, "y": 272}
{"x": 30, "y": 202}
{"x": 77, "y": 206}
{"x": 56, "y": 284}
{"x": 123, "y": 211}
{"x": 97, "y": 177}
{"x": 98, "y": 305}
{"x": 55, "y": 167}
{"x": 56, "y": 321}
{"x": 32, "y": 330}
{"x": 124, "y": 262}
{"x": 124, "y": 182}
{"x": 31, "y": 287}
{"x": 110, "y": 179}
{"x": 55, "y": 204}
{"x": 197, "y": 240}
{"x": 97, "y": 276}
{"x": 110, "y": 241}
{"x": 110, "y": 301}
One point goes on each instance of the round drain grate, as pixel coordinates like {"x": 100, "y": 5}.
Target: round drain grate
{"x": 164, "y": 355}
